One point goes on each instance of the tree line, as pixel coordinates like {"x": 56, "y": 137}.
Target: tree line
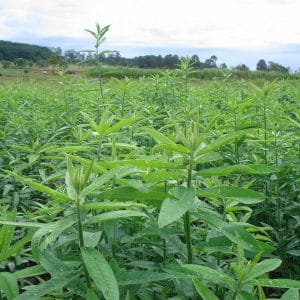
{"x": 25, "y": 55}
{"x": 11, "y": 51}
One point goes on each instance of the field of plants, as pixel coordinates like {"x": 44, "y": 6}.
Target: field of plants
{"x": 164, "y": 187}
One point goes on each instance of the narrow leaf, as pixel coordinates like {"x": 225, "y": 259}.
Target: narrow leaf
{"x": 113, "y": 215}
{"x": 263, "y": 267}
{"x": 101, "y": 273}
{"x": 39, "y": 187}
{"x": 276, "y": 283}
{"x": 291, "y": 294}
{"x": 173, "y": 209}
{"x": 9, "y": 285}
{"x": 245, "y": 196}
{"x": 204, "y": 291}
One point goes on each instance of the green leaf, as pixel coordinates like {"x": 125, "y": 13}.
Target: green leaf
{"x": 158, "y": 136}
{"x": 30, "y": 272}
{"x": 141, "y": 277}
{"x": 291, "y": 294}
{"x": 71, "y": 191}
{"x": 9, "y": 285}
{"x": 51, "y": 232}
{"x": 39, "y": 187}
{"x": 173, "y": 147}
{"x": 97, "y": 168}
{"x": 238, "y": 169}
{"x": 245, "y": 196}
{"x": 128, "y": 194}
{"x": 91, "y": 239}
{"x": 16, "y": 247}
{"x": 116, "y": 173}
{"x": 202, "y": 272}
{"x": 54, "y": 266}
{"x": 263, "y": 267}
{"x": 113, "y": 215}
{"x": 122, "y": 123}
{"x": 101, "y": 273}
{"x": 243, "y": 295}
{"x": 7, "y": 235}
{"x": 173, "y": 209}
{"x": 91, "y": 295}
{"x": 59, "y": 270}
{"x": 208, "y": 157}
{"x": 141, "y": 163}
{"x": 227, "y": 139}
{"x": 276, "y": 283}
{"x": 294, "y": 252}
{"x": 204, "y": 291}
{"x": 112, "y": 205}
{"x": 136, "y": 184}
{"x": 158, "y": 176}
{"x": 235, "y": 232}
{"x": 23, "y": 224}
{"x": 35, "y": 292}
{"x": 70, "y": 149}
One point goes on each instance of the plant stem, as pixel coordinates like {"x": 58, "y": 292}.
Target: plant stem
{"x": 186, "y": 218}
{"x": 187, "y": 231}
{"x": 265, "y": 129}
{"x": 99, "y": 150}
{"x": 238, "y": 285}
{"x": 100, "y": 98}
{"x": 81, "y": 240}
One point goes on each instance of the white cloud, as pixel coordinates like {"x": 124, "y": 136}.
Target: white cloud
{"x": 247, "y": 24}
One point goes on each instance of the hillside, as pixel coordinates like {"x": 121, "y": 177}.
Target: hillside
{"x": 10, "y": 51}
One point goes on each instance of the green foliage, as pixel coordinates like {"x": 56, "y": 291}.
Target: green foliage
{"x": 99, "y": 36}
{"x": 9, "y": 285}
{"x": 163, "y": 187}
{"x": 205, "y": 73}
{"x": 101, "y": 273}
{"x": 11, "y": 51}
{"x": 174, "y": 208}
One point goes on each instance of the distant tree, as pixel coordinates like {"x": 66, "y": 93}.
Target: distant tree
{"x": 146, "y": 61}
{"x": 171, "y": 61}
{"x": 73, "y": 56}
{"x": 54, "y": 60}
{"x": 56, "y": 50}
{"x": 196, "y": 61}
{"x": 112, "y": 58}
{"x": 261, "y": 65}
{"x": 70, "y": 55}
{"x": 6, "y": 64}
{"x": 30, "y": 63}
{"x": 223, "y": 66}
{"x": 241, "y": 67}
{"x": 89, "y": 56}
{"x": 159, "y": 61}
{"x": 214, "y": 59}
{"x": 63, "y": 64}
{"x": 43, "y": 63}
{"x": 211, "y": 62}
{"x": 90, "y": 59}
{"x": 10, "y": 51}
{"x": 20, "y": 62}
{"x": 272, "y": 66}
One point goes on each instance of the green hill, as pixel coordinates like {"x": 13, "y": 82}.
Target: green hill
{"x": 10, "y": 51}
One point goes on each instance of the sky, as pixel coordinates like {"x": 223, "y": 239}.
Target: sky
{"x": 236, "y": 31}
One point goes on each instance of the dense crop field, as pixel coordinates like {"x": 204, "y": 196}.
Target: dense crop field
{"x": 162, "y": 187}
